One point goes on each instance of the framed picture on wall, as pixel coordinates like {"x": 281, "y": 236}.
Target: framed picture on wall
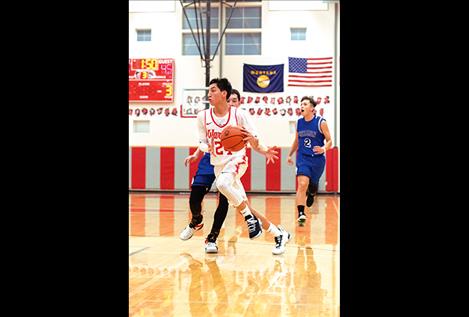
{"x": 193, "y": 101}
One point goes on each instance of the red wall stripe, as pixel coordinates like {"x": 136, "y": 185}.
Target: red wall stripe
{"x": 272, "y": 173}
{"x": 246, "y": 179}
{"x": 194, "y": 165}
{"x": 138, "y": 167}
{"x": 336, "y": 169}
{"x": 167, "y": 168}
{"x": 332, "y": 165}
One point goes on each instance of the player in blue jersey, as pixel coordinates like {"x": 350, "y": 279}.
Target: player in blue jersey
{"x": 311, "y": 142}
{"x": 201, "y": 184}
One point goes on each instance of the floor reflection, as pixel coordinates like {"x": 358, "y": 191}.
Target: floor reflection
{"x": 170, "y": 277}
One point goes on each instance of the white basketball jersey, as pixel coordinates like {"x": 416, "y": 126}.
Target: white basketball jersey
{"x": 213, "y": 127}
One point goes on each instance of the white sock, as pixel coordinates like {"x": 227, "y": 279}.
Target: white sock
{"x": 246, "y": 211}
{"x": 274, "y": 230}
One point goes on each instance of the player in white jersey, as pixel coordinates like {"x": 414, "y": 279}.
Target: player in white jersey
{"x": 235, "y": 101}
{"x": 229, "y": 166}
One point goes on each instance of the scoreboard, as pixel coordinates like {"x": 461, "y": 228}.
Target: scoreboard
{"x": 151, "y": 79}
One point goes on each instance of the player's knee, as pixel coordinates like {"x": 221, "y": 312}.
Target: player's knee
{"x": 224, "y": 182}
{"x": 196, "y": 197}
{"x": 302, "y": 184}
{"x": 223, "y": 201}
{"x": 313, "y": 188}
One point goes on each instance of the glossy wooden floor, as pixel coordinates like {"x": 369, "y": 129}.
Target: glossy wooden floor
{"x": 171, "y": 277}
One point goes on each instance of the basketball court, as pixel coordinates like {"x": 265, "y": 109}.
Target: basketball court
{"x": 171, "y": 277}
{"x": 274, "y": 54}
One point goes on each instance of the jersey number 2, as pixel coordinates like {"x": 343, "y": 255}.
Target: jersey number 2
{"x": 219, "y": 149}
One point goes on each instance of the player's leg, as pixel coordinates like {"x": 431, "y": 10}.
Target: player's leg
{"x": 302, "y": 178}
{"x": 281, "y": 236}
{"x": 220, "y": 214}
{"x": 303, "y": 181}
{"x": 317, "y": 168}
{"x": 200, "y": 187}
{"x": 311, "y": 192}
{"x": 218, "y": 219}
{"x": 225, "y": 182}
{"x": 264, "y": 221}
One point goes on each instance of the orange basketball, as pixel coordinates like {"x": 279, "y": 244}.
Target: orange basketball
{"x": 232, "y": 139}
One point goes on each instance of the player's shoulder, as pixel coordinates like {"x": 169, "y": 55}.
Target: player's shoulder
{"x": 202, "y": 113}
{"x": 240, "y": 113}
{"x": 320, "y": 118}
{"x": 238, "y": 109}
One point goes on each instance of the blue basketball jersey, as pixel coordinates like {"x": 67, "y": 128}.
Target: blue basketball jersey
{"x": 309, "y": 135}
{"x": 205, "y": 168}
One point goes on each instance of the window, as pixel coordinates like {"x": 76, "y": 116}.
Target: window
{"x": 243, "y": 43}
{"x": 298, "y": 34}
{"x": 191, "y": 16}
{"x": 240, "y": 38}
{"x": 141, "y": 126}
{"x": 244, "y": 18}
{"x": 143, "y": 35}
{"x": 230, "y": 1}
{"x": 190, "y": 48}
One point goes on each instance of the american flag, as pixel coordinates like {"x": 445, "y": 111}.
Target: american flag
{"x": 310, "y": 72}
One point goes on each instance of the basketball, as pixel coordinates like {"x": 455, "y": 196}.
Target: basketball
{"x": 232, "y": 139}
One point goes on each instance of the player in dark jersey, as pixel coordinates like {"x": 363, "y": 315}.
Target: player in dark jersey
{"x": 311, "y": 142}
{"x": 201, "y": 184}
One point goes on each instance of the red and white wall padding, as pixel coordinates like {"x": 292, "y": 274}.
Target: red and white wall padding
{"x": 162, "y": 168}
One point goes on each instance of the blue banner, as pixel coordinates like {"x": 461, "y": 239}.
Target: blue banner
{"x": 263, "y": 78}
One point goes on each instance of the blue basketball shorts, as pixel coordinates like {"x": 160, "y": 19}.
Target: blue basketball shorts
{"x": 313, "y": 167}
{"x": 203, "y": 180}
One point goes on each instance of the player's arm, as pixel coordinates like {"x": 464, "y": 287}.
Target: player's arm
{"x": 204, "y": 145}
{"x": 327, "y": 137}
{"x": 293, "y": 149}
{"x": 251, "y": 136}
{"x": 193, "y": 157}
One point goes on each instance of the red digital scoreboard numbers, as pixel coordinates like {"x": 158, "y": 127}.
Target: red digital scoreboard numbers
{"x": 151, "y": 79}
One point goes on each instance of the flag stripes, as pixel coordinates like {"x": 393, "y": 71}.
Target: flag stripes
{"x": 310, "y": 72}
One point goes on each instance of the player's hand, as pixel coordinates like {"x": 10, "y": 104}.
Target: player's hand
{"x": 289, "y": 160}
{"x": 318, "y": 149}
{"x": 189, "y": 159}
{"x": 271, "y": 154}
{"x": 246, "y": 135}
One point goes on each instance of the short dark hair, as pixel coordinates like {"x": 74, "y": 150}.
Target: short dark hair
{"x": 311, "y": 100}
{"x": 223, "y": 84}
{"x": 236, "y": 92}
